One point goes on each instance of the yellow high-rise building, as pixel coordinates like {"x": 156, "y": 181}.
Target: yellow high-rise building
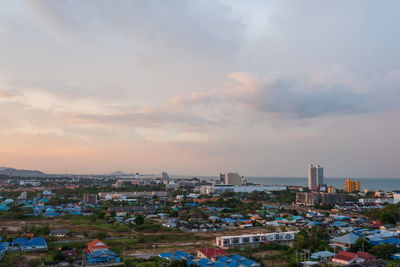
{"x": 352, "y": 186}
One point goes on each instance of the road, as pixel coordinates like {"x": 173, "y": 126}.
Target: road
{"x": 87, "y": 240}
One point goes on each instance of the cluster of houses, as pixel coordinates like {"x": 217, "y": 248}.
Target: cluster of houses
{"x": 97, "y": 252}
{"x": 342, "y": 242}
{"x": 122, "y": 211}
{"x": 41, "y": 207}
{"x": 210, "y": 257}
{"x": 374, "y": 237}
{"x": 22, "y": 244}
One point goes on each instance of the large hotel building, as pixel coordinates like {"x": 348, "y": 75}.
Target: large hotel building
{"x": 352, "y": 186}
{"x": 315, "y": 177}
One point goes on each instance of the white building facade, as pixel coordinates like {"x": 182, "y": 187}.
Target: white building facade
{"x": 255, "y": 239}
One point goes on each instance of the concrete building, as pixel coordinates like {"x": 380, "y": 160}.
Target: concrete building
{"x": 221, "y": 188}
{"x": 215, "y": 189}
{"x": 233, "y": 178}
{"x": 90, "y": 198}
{"x": 221, "y": 178}
{"x": 319, "y": 173}
{"x": 316, "y": 198}
{"x": 254, "y": 239}
{"x": 396, "y": 197}
{"x": 312, "y": 177}
{"x": 352, "y": 186}
{"x": 315, "y": 177}
{"x": 252, "y": 188}
{"x": 331, "y": 189}
{"x": 23, "y": 196}
{"x": 164, "y": 175}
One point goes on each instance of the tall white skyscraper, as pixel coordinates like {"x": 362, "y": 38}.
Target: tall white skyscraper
{"x": 315, "y": 177}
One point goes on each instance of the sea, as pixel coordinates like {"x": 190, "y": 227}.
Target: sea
{"x": 372, "y": 184}
{"x": 384, "y": 184}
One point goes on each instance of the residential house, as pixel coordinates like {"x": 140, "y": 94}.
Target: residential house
{"x": 345, "y": 241}
{"x": 323, "y": 255}
{"x": 210, "y": 253}
{"x": 102, "y": 256}
{"x": 59, "y": 233}
{"x": 386, "y": 227}
{"x": 96, "y": 245}
{"x": 179, "y": 255}
{"x": 121, "y": 211}
{"x": 224, "y": 261}
{"x": 24, "y": 244}
{"x": 347, "y": 258}
{"x": 98, "y": 252}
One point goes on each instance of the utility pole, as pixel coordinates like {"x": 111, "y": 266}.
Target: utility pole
{"x": 83, "y": 253}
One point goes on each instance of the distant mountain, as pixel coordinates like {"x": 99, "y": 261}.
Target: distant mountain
{"x": 117, "y": 173}
{"x": 21, "y": 173}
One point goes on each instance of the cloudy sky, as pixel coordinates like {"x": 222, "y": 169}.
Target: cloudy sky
{"x": 198, "y": 87}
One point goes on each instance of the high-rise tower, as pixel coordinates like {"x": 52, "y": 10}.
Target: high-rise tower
{"x": 320, "y": 175}
{"x": 315, "y": 177}
{"x": 312, "y": 178}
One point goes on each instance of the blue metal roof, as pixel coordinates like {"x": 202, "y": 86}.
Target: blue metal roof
{"x": 36, "y": 241}
{"x": 19, "y": 240}
{"x": 102, "y": 253}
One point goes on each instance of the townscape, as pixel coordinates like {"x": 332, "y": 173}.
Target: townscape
{"x": 199, "y": 133}
{"x": 148, "y": 220}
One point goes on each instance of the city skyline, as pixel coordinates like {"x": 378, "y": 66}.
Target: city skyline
{"x": 198, "y": 87}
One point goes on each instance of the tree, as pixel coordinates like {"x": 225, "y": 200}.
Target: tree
{"x": 58, "y": 256}
{"x": 383, "y": 251}
{"x": 361, "y": 244}
{"x": 102, "y": 215}
{"x": 139, "y": 220}
{"x": 45, "y": 230}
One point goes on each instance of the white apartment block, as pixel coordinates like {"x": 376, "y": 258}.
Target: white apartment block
{"x": 255, "y": 239}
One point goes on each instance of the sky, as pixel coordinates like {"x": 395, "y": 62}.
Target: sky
{"x": 263, "y": 88}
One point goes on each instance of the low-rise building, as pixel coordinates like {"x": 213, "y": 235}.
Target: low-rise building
{"x": 255, "y": 239}
{"x": 316, "y": 198}
{"x": 102, "y": 256}
{"x": 210, "y": 253}
{"x": 33, "y": 244}
{"x": 59, "y": 233}
{"x": 90, "y": 198}
{"x": 347, "y": 258}
{"x": 345, "y": 241}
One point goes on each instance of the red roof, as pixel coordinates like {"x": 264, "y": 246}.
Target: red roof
{"x": 211, "y": 252}
{"x": 366, "y": 256}
{"x": 344, "y": 255}
{"x": 97, "y": 244}
{"x": 28, "y": 235}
